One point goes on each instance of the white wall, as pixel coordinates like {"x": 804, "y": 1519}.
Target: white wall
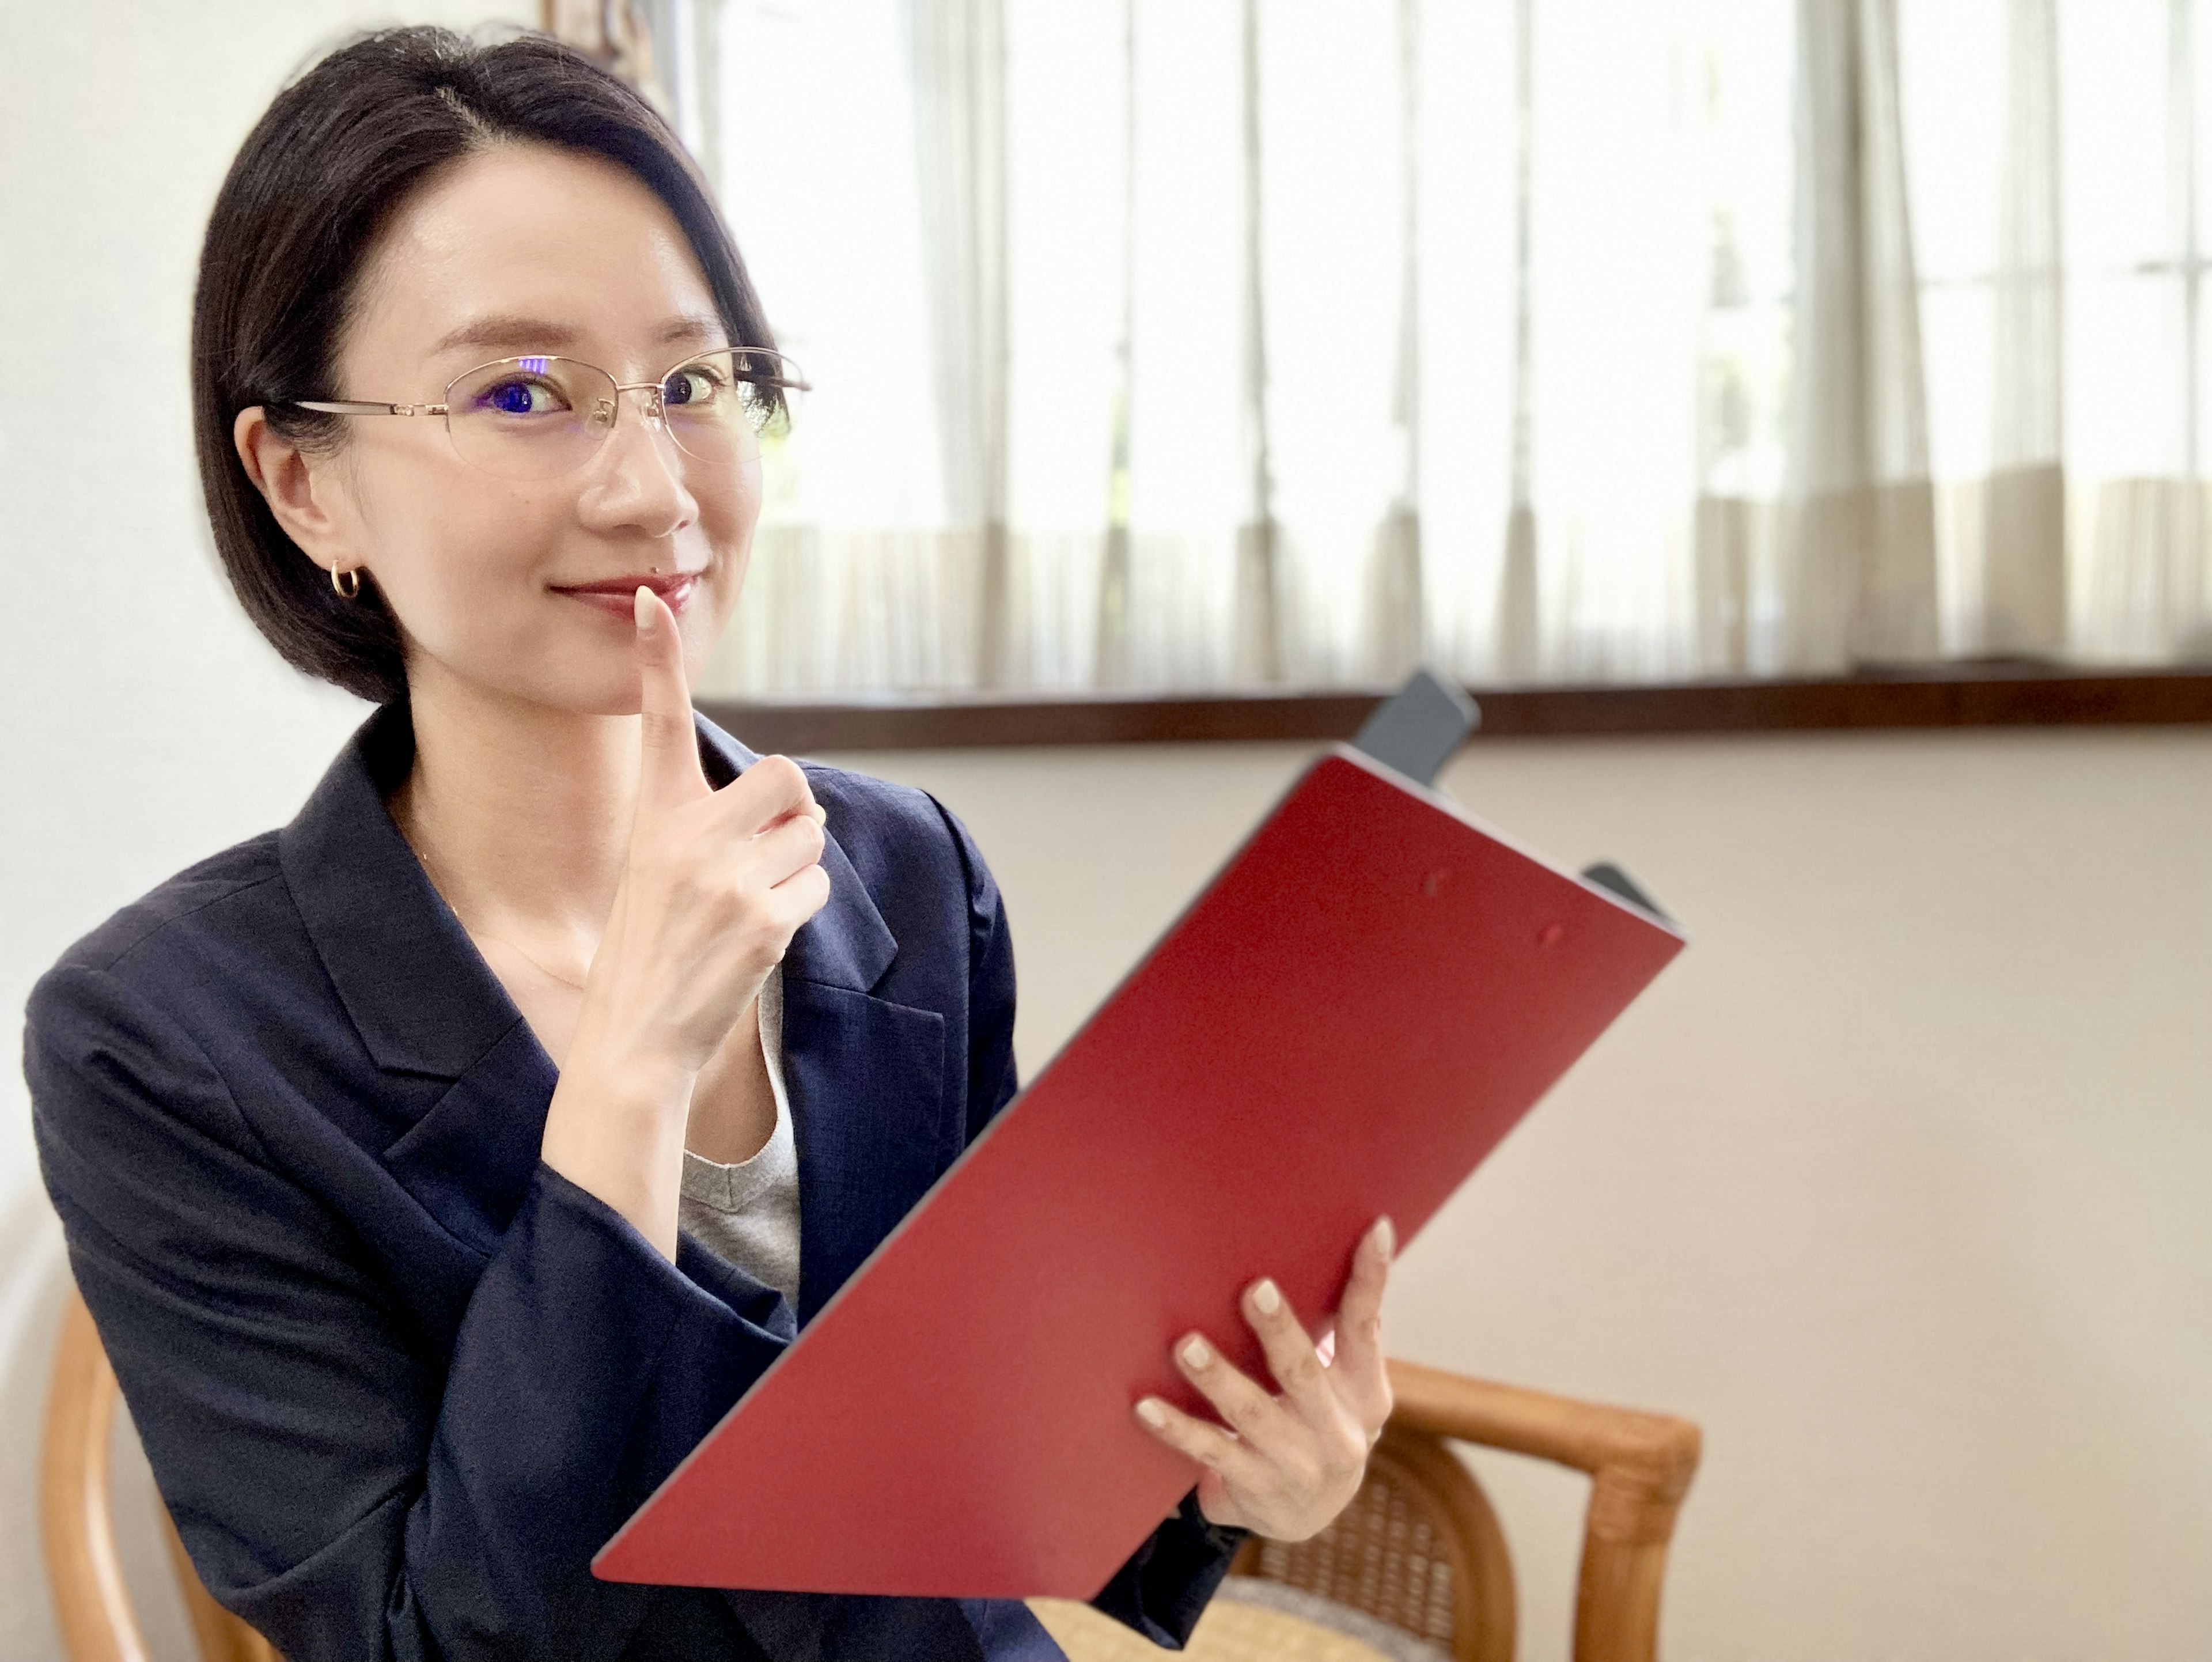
{"x": 1897, "y": 1181}
{"x": 145, "y": 725}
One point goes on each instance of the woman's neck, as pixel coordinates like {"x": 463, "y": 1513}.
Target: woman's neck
{"x": 521, "y": 813}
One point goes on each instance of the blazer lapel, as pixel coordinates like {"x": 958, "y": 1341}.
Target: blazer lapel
{"x": 469, "y": 1160}
{"x": 428, "y": 1007}
{"x": 417, "y": 991}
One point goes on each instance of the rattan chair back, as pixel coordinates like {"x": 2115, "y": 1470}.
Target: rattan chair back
{"x": 1419, "y": 1548}
{"x": 92, "y": 1605}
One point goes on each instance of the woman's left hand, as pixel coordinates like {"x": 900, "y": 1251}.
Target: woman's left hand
{"x": 1284, "y": 1464}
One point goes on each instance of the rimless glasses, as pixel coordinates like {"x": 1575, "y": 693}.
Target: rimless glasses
{"x": 539, "y": 417}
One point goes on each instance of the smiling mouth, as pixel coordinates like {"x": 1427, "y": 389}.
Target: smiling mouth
{"x": 618, "y": 595}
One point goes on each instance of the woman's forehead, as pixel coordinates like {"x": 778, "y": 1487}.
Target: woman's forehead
{"x": 521, "y": 248}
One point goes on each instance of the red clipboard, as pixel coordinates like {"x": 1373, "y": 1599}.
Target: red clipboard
{"x": 1369, "y": 995}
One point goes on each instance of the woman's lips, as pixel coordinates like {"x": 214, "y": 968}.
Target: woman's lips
{"x": 617, "y": 597}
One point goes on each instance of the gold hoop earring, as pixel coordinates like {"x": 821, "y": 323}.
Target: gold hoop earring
{"x": 348, "y": 584}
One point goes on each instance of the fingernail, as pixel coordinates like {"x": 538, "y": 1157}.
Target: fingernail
{"x": 1196, "y": 1352}
{"x": 1151, "y": 1413}
{"x": 643, "y": 608}
{"x": 1386, "y": 1237}
{"x": 1267, "y": 1297}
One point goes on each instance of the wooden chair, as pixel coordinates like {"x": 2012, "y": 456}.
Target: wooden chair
{"x": 1419, "y": 1549}
{"x": 90, "y": 1601}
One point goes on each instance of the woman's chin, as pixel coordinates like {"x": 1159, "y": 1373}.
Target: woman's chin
{"x": 610, "y": 689}
{"x": 576, "y": 686}
{"x": 613, "y": 695}
{"x": 585, "y": 664}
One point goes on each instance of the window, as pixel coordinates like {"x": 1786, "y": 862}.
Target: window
{"x": 1194, "y": 344}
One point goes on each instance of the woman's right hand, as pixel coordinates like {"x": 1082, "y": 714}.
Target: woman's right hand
{"x": 716, "y": 884}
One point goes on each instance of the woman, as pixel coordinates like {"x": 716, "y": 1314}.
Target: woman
{"x": 440, "y": 1168}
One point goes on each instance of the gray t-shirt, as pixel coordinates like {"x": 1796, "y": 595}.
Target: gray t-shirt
{"x": 748, "y": 1214}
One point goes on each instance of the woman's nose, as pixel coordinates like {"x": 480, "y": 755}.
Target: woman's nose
{"x": 640, "y": 480}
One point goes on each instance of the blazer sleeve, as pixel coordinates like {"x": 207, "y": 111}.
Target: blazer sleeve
{"x": 1163, "y": 1588}
{"x": 343, "y": 1484}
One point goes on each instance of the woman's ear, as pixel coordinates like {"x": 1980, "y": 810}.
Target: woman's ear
{"x": 302, "y": 491}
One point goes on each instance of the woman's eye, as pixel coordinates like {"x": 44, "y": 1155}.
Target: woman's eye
{"x": 693, "y": 386}
{"x": 520, "y": 398}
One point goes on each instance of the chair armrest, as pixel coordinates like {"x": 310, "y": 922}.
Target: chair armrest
{"x": 1640, "y": 1466}
{"x": 1643, "y": 1462}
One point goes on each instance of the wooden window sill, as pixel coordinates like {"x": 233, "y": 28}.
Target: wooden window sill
{"x": 1975, "y": 694}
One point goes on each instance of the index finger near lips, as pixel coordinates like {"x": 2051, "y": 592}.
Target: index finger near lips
{"x": 668, "y": 760}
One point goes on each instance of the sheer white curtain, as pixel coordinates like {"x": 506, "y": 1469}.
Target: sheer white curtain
{"x": 2061, "y": 163}
{"x": 1212, "y": 343}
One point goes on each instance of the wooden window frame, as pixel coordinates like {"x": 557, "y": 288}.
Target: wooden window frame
{"x": 1976, "y": 694}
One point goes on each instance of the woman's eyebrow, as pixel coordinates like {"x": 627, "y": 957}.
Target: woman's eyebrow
{"x": 512, "y": 334}
{"x": 508, "y": 334}
{"x": 691, "y": 330}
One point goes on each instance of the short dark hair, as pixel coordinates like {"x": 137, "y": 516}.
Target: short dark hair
{"x": 313, "y": 186}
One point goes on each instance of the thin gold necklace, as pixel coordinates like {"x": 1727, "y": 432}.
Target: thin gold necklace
{"x": 444, "y": 889}
{"x": 531, "y": 959}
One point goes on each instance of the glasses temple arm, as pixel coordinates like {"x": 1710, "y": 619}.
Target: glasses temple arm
{"x": 362, "y": 407}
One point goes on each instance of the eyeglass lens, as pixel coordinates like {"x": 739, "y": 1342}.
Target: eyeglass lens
{"x": 539, "y": 417}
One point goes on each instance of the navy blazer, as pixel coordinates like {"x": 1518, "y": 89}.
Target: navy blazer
{"x": 399, "y": 1379}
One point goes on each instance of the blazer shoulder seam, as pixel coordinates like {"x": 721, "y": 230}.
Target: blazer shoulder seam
{"x": 112, "y": 960}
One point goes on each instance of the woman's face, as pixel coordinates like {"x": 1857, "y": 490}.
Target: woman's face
{"x": 524, "y": 587}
